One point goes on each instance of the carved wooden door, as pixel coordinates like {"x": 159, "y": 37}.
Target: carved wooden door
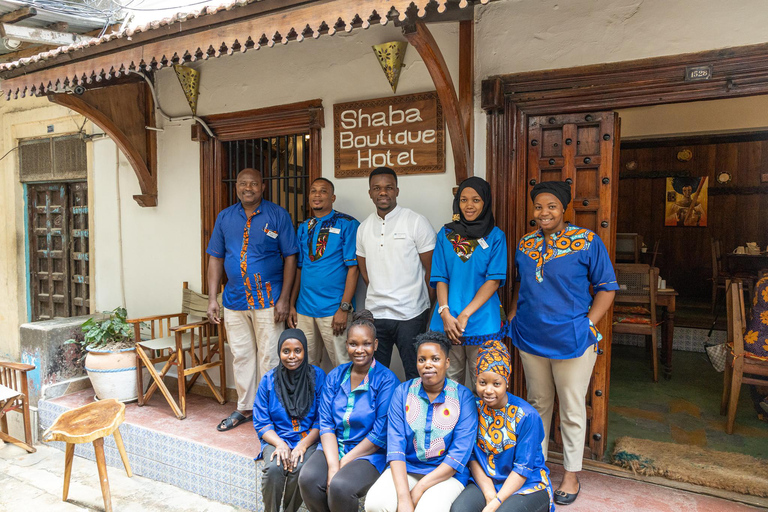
{"x": 58, "y": 249}
{"x": 582, "y": 149}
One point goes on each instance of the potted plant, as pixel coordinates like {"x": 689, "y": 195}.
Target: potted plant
{"x": 111, "y": 355}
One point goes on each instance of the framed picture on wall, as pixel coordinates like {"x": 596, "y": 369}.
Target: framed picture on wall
{"x": 686, "y": 202}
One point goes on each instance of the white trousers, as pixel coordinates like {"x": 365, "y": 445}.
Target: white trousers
{"x": 570, "y": 379}
{"x": 382, "y": 496}
{"x": 252, "y": 336}
{"x": 463, "y": 357}
{"x": 319, "y": 332}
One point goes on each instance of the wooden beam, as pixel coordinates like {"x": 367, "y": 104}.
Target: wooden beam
{"x": 18, "y": 15}
{"x": 39, "y": 35}
{"x": 422, "y": 40}
{"x": 467, "y": 79}
{"x": 123, "y": 112}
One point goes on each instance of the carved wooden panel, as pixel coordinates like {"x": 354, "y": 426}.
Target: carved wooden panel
{"x": 581, "y": 149}
{"x": 80, "y": 297}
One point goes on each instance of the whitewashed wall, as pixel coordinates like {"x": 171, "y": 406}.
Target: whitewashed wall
{"x": 161, "y": 246}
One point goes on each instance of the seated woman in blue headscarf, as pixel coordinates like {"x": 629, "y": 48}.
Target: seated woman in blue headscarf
{"x": 432, "y": 426}
{"x": 285, "y": 416}
{"x": 353, "y": 426}
{"x": 507, "y": 464}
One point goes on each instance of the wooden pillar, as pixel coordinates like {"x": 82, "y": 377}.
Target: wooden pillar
{"x": 422, "y": 40}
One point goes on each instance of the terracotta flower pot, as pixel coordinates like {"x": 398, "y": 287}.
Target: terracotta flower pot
{"x": 112, "y": 373}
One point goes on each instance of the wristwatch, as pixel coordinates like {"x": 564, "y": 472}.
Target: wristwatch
{"x": 441, "y": 308}
{"x": 345, "y": 306}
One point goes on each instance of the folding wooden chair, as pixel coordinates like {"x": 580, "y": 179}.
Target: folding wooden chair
{"x": 634, "y": 309}
{"x": 14, "y": 396}
{"x": 201, "y": 342}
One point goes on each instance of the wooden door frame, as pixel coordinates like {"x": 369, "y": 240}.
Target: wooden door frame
{"x": 509, "y": 100}
{"x": 306, "y": 117}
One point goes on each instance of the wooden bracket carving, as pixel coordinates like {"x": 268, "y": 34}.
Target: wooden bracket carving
{"x": 421, "y": 39}
{"x": 123, "y": 112}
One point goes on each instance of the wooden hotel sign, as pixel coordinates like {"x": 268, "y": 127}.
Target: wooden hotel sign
{"x": 405, "y": 133}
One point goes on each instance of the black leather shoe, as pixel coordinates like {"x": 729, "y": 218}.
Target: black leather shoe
{"x": 563, "y": 498}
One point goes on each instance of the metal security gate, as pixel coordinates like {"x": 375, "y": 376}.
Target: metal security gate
{"x": 283, "y": 164}
{"x": 58, "y": 249}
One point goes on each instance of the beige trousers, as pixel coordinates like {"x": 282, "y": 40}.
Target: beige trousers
{"x": 319, "y": 332}
{"x": 463, "y": 357}
{"x": 382, "y": 496}
{"x": 252, "y": 336}
{"x": 570, "y": 379}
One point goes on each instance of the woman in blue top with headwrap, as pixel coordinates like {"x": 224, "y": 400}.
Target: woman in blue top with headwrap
{"x": 468, "y": 266}
{"x": 353, "y": 426}
{"x": 507, "y": 464}
{"x": 553, "y": 319}
{"x": 285, "y": 416}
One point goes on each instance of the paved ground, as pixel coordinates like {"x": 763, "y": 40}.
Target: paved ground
{"x": 34, "y": 482}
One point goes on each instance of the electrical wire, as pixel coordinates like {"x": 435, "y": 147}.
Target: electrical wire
{"x": 9, "y": 152}
{"x": 177, "y": 7}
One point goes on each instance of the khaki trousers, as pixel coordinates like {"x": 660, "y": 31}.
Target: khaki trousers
{"x": 382, "y": 496}
{"x": 252, "y": 336}
{"x": 319, "y": 332}
{"x": 570, "y": 379}
{"x": 463, "y": 357}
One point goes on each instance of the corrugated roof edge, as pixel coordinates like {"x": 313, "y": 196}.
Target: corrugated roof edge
{"x": 128, "y": 32}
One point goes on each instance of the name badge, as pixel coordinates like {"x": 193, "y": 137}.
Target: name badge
{"x": 399, "y": 236}
{"x": 335, "y": 231}
{"x": 272, "y": 234}
{"x": 482, "y": 243}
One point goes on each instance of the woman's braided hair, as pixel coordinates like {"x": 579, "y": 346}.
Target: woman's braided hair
{"x": 363, "y": 318}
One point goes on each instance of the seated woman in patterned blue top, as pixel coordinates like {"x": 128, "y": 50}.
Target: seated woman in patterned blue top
{"x": 432, "y": 426}
{"x": 507, "y": 465}
{"x": 285, "y": 416}
{"x": 353, "y": 426}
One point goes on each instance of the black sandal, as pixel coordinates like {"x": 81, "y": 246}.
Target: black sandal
{"x": 232, "y": 421}
{"x": 564, "y": 498}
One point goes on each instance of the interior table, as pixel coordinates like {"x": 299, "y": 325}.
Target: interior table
{"x": 746, "y": 263}
{"x": 665, "y": 299}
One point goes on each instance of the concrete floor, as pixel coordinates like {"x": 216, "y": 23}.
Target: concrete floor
{"x": 34, "y": 482}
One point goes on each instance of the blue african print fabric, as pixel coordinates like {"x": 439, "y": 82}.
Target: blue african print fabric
{"x": 425, "y": 434}
{"x": 509, "y": 440}
{"x": 756, "y": 333}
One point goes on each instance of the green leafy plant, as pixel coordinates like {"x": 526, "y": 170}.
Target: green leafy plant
{"x": 101, "y": 333}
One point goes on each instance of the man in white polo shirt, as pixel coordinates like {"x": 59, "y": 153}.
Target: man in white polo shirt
{"x": 394, "y": 253}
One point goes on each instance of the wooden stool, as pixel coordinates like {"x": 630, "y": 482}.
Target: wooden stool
{"x": 90, "y": 423}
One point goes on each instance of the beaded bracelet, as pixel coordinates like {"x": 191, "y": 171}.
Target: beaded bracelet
{"x": 497, "y": 497}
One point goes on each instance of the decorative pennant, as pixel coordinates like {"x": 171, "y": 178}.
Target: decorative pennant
{"x": 190, "y": 80}
{"x": 391, "y": 57}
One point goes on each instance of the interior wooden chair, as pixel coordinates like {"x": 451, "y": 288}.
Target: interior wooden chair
{"x": 14, "y": 396}
{"x": 718, "y": 275}
{"x": 173, "y": 341}
{"x": 634, "y": 310}
{"x": 628, "y": 247}
{"x": 738, "y": 361}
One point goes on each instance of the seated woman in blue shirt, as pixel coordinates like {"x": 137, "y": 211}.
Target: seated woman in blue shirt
{"x": 507, "y": 464}
{"x": 468, "y": 266}
{"x": 553, "y": 320}
{"x": 353, "y": 426}
{"x": 432, "y": 426}
{"x": 285, "y": 416}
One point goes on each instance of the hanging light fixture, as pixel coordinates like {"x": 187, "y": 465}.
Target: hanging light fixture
{"x": 190, "y": 80}
{"x": 391, "y": 57}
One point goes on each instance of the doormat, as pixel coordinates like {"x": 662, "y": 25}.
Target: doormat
{"x": 692, "y": 464}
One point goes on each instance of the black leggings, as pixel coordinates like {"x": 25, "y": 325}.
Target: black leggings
{"x": 471, "y": 499}
{"x": 347, "y": 487}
